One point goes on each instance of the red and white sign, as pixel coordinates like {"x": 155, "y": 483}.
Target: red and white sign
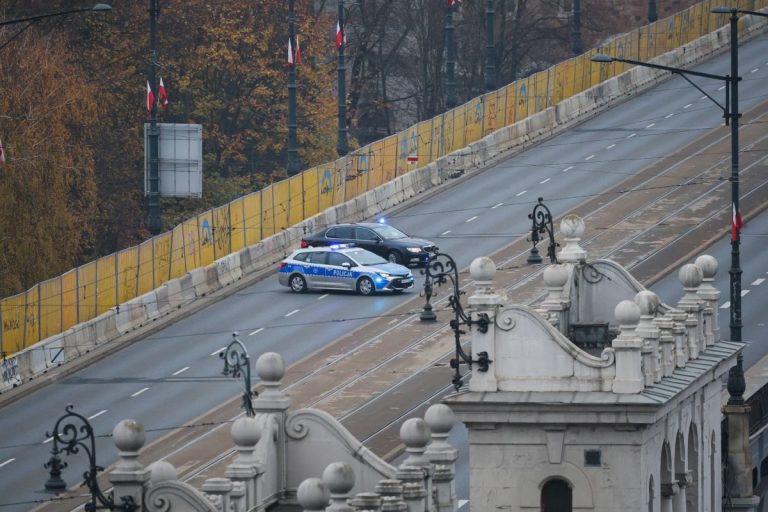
{"x": 413, "y": 159}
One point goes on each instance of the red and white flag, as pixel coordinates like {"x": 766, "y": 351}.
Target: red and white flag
{"x": 290, "y": 53}
{"x": 2, "y": 154}
{"x": 298, "y": 52}
{"x": 150, "y": 97}
{"x": 451, "y": 2}
{"x": 340, "y": 37}
{"x": 736, "y": 224}
{"x": 163, "y": 95}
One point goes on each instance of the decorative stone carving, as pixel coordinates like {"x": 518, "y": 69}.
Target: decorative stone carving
{"x": 710, "y": 295}
{"x": 340, "y": 479}
{"x": 627, "y": 346}
{"x": 170, "y": 496}
{"x": 649, "y": 333}
{"x": 572, "y": 228}
{"x": 129, "y": 476}
{"x": 366, "y": 502}
{"x": 666, "y": 325}
{"x": 556, "y": 304}
{"x": 313, "y": 495}
{"x": 691, "y": 276}
{"x": 680, "y": 335}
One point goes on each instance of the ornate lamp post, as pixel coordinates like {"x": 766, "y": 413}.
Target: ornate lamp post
{"x": 74, "y": 433}
{"x": 342, "y": 148}
{"x": 578, "y": 47}
{"x": 293, "y": 151}
{"x": 153, "y": 134}
{"x": 450, "y": 58}
{"x": 490, "y": 47}
{"x": 541, "y": 222}
{"x": 237, "y": 364}
{"x": 439, "y": 271}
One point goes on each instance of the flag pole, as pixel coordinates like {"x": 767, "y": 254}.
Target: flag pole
{"x": 341, "y": 145}
{"x": 293, "y": 150}
{"x": 154, "y": 222}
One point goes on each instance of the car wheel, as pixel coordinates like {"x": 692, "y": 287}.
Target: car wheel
{"x": 394, "y": 257}
{"x": 365, "y": 286}
{"x": 298, "y": 284}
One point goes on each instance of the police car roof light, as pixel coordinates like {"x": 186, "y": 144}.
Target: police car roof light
{"x": 382, "y": 220}
{"x": 334, "y": 247}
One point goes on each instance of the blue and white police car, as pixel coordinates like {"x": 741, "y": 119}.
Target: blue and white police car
{"x": 342, "y": 268}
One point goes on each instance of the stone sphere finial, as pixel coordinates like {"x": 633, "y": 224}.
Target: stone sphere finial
{"x": 708, "y": 265}
{"x": 690, "y": 275}
{"x": 627, "y": 313}
{"x": 440, "y": 418}
{"x": 415, "y": 433}
{"x": 312, "y": 494}
{"x": 572, "y": 226}
{"x": 162, "y": 471}
{"x": 245, "y": 431}
{"x": 128, "y": 436}
{"x": 482, "y": 269}
{"x": 555, "y": 276}
{"x": 270, "y": 367}
{"x": 648, "y": 302}
{"x": 339, "y": 477}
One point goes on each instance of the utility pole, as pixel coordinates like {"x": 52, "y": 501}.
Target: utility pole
{"x": 293, "y": 150}
{"x": 341, "y": 146}
{"x": 578, "y": 47}
{"x": 490, "y": 48}
{"x": 450, "y": 59}
{"x": 154, "y": 132}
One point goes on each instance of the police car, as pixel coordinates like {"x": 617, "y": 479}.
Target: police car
{"x": 342, "y": 268}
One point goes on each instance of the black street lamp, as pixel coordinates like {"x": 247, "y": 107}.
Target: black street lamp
{"x": 342, "y": 148}
{"x": 441, "y": 269}
{"x": 736, "y": 382}
{"x": 652, "y": 14}
{"x": 578, "y": 46}
{"x": 95, "y": 8}
{"x": 238, "y": 364}
{"x": 541, "y": 222}
{"x": 74, "y": 433}
{"x": 450, "y": 58}
{"x": 293, "y": 149}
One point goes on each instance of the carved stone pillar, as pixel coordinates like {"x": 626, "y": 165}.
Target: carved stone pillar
{"x": 666, "y": 344}
{"x": 129, "y": 477}
{"x": 690, "y": 276}
{"x": 668, "y": 492}
{"x": 312, "y": 495}
{"x": 391, "y": 492}
{"x": 443, "y": 457}
{"x": 217, "y": 490}
{"x": 679, "y": 500}
{"x": 710, "y": 295}
{"x": 340, "y": 479}
{"x": 416, "y": 434}
{"x": 555, "y": 278}
{"x": 485, "y": 300}
{"x": 366, "y": 502}
{"x": 680, "y": 335}
{"x": 739, "y": 484}
{"x": 648, "y": 303}
{"x": 414, "y": 493}
{"x": 246, "y": 468}
{"x": 627, "y": 346}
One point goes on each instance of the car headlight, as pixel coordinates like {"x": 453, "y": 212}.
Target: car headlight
{"x": 414, "y": 249}
{"x": 385, "y": 275}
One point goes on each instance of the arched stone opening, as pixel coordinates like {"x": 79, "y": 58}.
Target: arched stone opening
{"x": 556, "y": 496}
{"x": 681, "y": 474}
{"x": 667, "y": 475}
{"x": 693, "y": 477}
{"x": 651, "y": 495}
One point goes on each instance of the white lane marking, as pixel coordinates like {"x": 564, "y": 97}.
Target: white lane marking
{"x": 217, "y": 352}
{"x": 180, "y": 371}
{"x": 726, "y": 305}
{"x": 721, "y": 88}
{"x": 590, "y": 157}
{"x": 292, "y": 312}
{"x": 98, "y": 414}
{"x": 500, "y": 204}
{"x": 544, "y": 181}
{"x": 668, "y": 116}
{"x": 470, "y": 219}
{"x": 568, "y": 168}
{"x": 650, "y": 125}
{"x": 758, "y": 282}
{"x": 744, "y": 292}
{"x": 631, "y": 135}
{"x": 445, "y": 232}
{"x": 139, "y": 392}
{"x": 520, "y": 193}
{"x": 257, "y": 331}
{"x": 611, "y": 146}
{"x": 688, "y": 105}
{"x": 755, "y": 70}
{"x": 703, "y": 98}
{"x": 6, "y": 462}
{"x": 393, "y": 321}
{"x": 322, "y": 296}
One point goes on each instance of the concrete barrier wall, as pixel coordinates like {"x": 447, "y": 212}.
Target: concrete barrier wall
{"x": 201, "y": 282}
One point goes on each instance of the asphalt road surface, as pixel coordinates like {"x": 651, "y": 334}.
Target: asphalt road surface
{"x": 174, "y": 375}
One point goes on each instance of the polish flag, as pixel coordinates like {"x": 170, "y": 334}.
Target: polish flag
{"x": 163, "y": 95}
{"x": 2, "y": 154}
{"x": 451, "y": 2}
{"x": 340, "y": 38}
{"x": 290, "y": 53}
{"x": 298, "y": 52}
{"x": 736, "y": 224}
{"x": 150, "y": 98}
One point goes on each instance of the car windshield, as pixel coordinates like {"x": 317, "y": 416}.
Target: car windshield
{"x": 365, "y": 258}
{"x": 389, "y": 233}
